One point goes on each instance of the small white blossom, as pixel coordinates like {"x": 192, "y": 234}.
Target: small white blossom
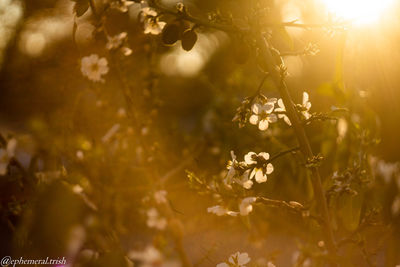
{"x": 259, "y": 172}
{"x": 93, "y": 67}
{"x": 306, "y": 105}
{"x": 6, "y": 154}
{"x": 160, "y": 196}
{"x": 245, "y": 206}
{"x": 237, "y": 260}
{"x": 262, "y": 114}
{"x": 154, "y": 220}
{"x": 151, "y": 23}
{"x": 221, "y": 211}
{"x": 281, "y": 108}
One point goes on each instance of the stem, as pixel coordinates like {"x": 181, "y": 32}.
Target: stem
{"x": 304, "y": 143}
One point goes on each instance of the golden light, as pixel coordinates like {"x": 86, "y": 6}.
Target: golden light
{"x": 358, "y": 11}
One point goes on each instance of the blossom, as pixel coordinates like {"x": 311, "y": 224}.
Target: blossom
{"x": 220, "y": 211}
{"x": 260, "y": 170}
{"x": 148, "y": 16}
{"x": 306, "y": 105}
{"x": 282, "y": 108}
{"x": 93, "y": 67}
{"x": 154, "y": 220}
{"x": 6, "y": 154}
{"x": 262, "y": 114}
{"x": 245, "y": 206}
{"x": 160, "y": 196}
{"x": 238, "y": 260}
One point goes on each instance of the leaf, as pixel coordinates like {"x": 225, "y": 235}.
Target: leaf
{"x": 170, "y": 34}
{"x": 80, "y": 7}
{"x": 189, "y": 39}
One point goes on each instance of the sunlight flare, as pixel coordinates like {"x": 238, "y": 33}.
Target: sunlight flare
{"x": 358, "y": 11}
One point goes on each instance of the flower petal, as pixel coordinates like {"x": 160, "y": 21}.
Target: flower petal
{"x": 253, "y": 119}
{"x": 263, "y": 125}
{"x": 269, "y": 168}
{"x": 248, "y": 158}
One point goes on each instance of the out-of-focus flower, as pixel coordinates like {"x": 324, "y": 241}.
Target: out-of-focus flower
{"x": 160, "y": 196}
{"x": 151, "y": 23}
{"x": 236, "y": 260}
{"x": 261, "y": 167}
{"x": 6, "y": 154}
{"x": 387, "y": 170}
{"x": 281, "y": 108}
{"x": 262, "y": 114}
{"x": 306, "y": 105}
{"x": 221, "y": 211}
{"x": 341, "y": 129}
{"x": 117, "y": 42}
{"x": 154, "y": 220}
{"x": 122, "y": 5}
{"x": 148, "y": 257}
{"x": 396, "y": 206}
{"x": 151, "y": 257}
{"x": 93, "y": 67}
{"x": 245, "y": 206}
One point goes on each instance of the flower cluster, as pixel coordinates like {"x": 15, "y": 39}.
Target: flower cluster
{"x": 149, "y": 18}
{"x": 263, "y": 111}
{"x": 255, "y": 166}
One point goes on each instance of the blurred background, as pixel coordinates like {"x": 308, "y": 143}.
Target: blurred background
{"x": 91, "y": 157}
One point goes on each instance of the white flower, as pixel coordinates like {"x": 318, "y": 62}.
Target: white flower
{"x": 260, "y": 171}
{"x": 6, "y": 154}
{"x": 154, "y": 220}
{"x": 237, "y": 260}
{"x": 262, "y": 114}
{"x": 221, "y": 211}
{"x": 160, "y": 196}
{"x": 94, "y": 67}
{"x": 282, "y": 108}
{"x": 245, "y": 206}
{"x": 306, "y": 105}
{"x": 152, "y": 25}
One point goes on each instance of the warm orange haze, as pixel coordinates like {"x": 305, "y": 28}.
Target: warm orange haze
{"x": 197, "y": 133}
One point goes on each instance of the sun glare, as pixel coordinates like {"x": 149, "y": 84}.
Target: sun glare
{"x": 358, "y": 11}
